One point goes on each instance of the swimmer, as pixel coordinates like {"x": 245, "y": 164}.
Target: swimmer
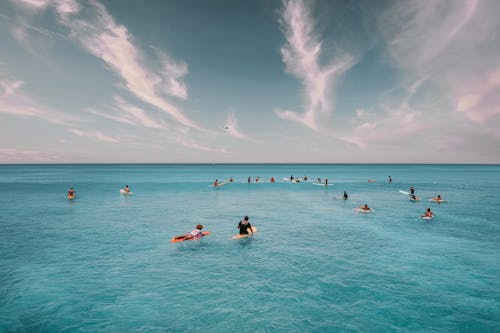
{"x": 244, "y": 226}
{"x": 272, "y": 180}
{"x": 126, "y": 189}
{"x": 365, "y": 208}
{"x": 345, "y": 195}
{"x": 231, "y": 179}
{"x": 249, "y": 180}
{"x": 428, "y": 213}
{"x": 389, "y": 179}
{"x": 71, "y": 193}
{"x": 438, "y": 198}
{"x": 216, "y": 183}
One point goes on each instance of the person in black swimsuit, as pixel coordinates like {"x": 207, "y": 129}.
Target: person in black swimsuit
{"x": 245, "y": 226}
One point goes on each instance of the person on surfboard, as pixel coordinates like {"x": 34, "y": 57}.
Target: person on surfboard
{"x": 71, "y": 193}
{"x": 428, "y": 213}
{"x": 196, "y": 233}
{"x": 365, "y": 208}
{"x": 245, "y": 226}
{"x": 412, "y": 190}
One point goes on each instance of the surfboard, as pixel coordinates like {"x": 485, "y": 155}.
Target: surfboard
{"x": 363, "y": 210}
{"x": 438, "y": 201}
{"x": 427, "y": 217}
{"x": 238, "y": 236}
{"x": 404, "y": 192}
{"x": 219, "y": 185}
{"x": 323, "y": 184}
{"x": 181, "y": 238}
{"x": 340, "y": 198}
{"x": 122, "y": 191}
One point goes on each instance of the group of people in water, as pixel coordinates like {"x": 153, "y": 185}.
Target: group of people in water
{"x": 244, "y": 227}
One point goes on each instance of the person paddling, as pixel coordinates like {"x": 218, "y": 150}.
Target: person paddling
{"x": 245, "y": 226}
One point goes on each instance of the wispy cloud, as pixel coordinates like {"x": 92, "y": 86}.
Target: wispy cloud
{"x": 98, "y": 33}
{"x": 301, "y": 55}
{"x": 452, "y": 46}
{"x": 232, "y": 128}
{"x": 94, "y": 135}
{"x": 15, "y": 101}
{"x": 189, "y": 143}
{"x": 127, "y": 113}
{"x": 13, "y": 155}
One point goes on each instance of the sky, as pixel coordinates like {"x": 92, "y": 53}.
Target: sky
{"x": 225, "y": 81}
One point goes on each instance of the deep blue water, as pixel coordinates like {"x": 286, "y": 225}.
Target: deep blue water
{"x": 103, "y": 262}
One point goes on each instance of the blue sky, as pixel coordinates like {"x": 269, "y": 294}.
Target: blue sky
{"x": 249, "y": 81}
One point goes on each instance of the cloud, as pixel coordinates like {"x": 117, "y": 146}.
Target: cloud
{"x": 231, "y": 127}
{"x": 15, "y": 101}
{"x": 13, "y": 155}
{"x": 452, "y": 45}
{"x": 189, "y": 143}
{"x": 127, "y": 113}
{"x": 95, "y": 135}
{"x": 301, "y": 55}
{"x": 98, "y": 33}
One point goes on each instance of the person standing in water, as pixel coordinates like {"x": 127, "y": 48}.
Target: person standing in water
{"x": 389, "y": 179}
{"x": 245, "y": 226}
{"x": 345, "y": 195}
{"x": 412, "y": 190}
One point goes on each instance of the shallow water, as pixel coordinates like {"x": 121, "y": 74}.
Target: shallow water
{"x": 103, "y": 262}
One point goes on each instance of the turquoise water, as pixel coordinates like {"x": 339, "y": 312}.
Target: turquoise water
{"x": 103, "y": 262}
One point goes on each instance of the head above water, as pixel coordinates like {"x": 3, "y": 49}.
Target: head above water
{"x": 246, "y": 218}
{"x": 199, "y": 226}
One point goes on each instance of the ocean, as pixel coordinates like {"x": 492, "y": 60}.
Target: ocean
{"x": 103, "y": 262}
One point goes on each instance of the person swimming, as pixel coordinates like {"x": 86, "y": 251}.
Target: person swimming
{"x": 126, "y": 189}
{"x": 71, "y": 193}
{"x": 216, "y": 183}
{"x": 244, "y": 226}
{"x": 345, "y": 195}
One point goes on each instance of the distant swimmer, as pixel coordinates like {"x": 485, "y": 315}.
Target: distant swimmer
{"x": 71, "y": 193}
{"x": 231, "y": 179}
{"x": 326, "y": 181}
{"x": 249, "y": 180}
{"x": 244, "y": 226}
{"x": 365, "y": 208}
{"x": 126, "y": 189}
{"x": 413, "y": 197}
{"x": 428, "y": 214}
{"x": 438, "y": 199}
{"x": 305, "y": 178}
{"x": 319, "y": 180}
{"x": 345, "y": 195}
{"x": 412, "y": 190}
{"x": 371, "y": 180}
{"x": 216, "y": 183}
{"x": 257, "y": 179}
{"x": 272, "y": 180}
{"x": 291, "y": 178}
{"x": 389, "y": 179}
{"x": 196, "y": 233}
